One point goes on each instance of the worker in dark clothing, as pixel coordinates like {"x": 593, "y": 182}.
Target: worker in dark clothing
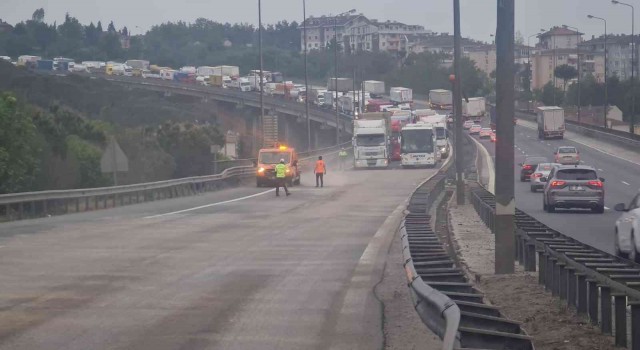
{"x": 281, "y": 178}
{"x": 321, "y": 171}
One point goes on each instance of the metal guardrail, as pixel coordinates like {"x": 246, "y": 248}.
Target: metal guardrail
{"x": 443, "y": 297}
{"x": 56, "y": 202}
{"x": 585, "y": 278}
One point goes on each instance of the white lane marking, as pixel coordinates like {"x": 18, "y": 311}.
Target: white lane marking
{"x": 548, "y": 144}
{"x": 606, "y": 208}
{"x": 626, "y": 183}
{"x": 600, "y": 170}
{"x": 210, "y": 205}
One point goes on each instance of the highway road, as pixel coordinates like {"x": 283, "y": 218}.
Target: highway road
{"x": 621, "y": 183}
{"x": 235, "y": 269}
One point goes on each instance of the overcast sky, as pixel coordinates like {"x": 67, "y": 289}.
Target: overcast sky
{"x": 478, "y": 16}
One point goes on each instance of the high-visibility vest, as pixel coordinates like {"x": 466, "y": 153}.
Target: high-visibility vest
{"x": 320, "y": 167}
{"x": 281, "y": 171}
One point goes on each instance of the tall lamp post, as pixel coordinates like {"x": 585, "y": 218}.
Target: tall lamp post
{"x": 306, "y": 75}
{"x": 335, "y": 70}
{"x": 578, "y": 63}
{"x": 606, "y": 88}
{"x": 529, "y": 65}
{"x": 261, "y": 73}
{"x": 633, "y": 64}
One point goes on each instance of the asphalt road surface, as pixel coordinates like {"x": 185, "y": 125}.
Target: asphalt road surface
{"x": 621, "y": 183}
{"x": 235, "y": 269}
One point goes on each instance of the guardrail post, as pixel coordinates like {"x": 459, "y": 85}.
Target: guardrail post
{"x": 555, "y": 277}
{"x": 620, "y": 318}
{"x": 605, "y": 309}
{"x": 44, "y": 208}
{"x": 33, "y": 209}
{"x": 21, "y": 210}
{"x": 7, "y": 210}
{"x": 582, "y": 293}
{"x": 593, "y": 301}
{"x": 635, "y": 324}
{"x": 530, "y": 257}
{"x": 562, "y": 281}
{"x": 519, "y": 254}
{"x": 77, "y": 205}
{"x": 104, "y": 201}
{"x": 548, "y": 273}
{"x": 542, "y": 273}
{"x": 571, "y": 286}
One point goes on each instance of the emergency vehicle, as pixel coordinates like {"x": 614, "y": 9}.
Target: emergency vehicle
{"x": 268, "y": 158}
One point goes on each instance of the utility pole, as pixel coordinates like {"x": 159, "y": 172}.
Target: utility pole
{"x": 306, "y": 75}
{"x": 335, "y": 75}
{"x": 504, "y": 181}
{"x": 261, "y": 124}
{"x": 457, "y": 102}
{"x": 633, "y": 64}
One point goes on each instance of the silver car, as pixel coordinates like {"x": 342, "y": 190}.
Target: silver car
{"x": 576, "y": 186}
{"x": 542, "y": 171}
{"x": 567, "y": 155}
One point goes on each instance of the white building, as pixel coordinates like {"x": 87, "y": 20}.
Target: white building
{"x": 359, "y": 33}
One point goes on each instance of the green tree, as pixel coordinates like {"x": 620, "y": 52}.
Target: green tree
{"x": 566, "y": 73}
{"x": 38, "y": 15}
{"x": 551, "y": 95}
{"x": 18, "y": 153}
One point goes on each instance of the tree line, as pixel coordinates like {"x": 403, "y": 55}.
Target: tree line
{"x": 210, "y": 43}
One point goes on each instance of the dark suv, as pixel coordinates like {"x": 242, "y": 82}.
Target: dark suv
{"x": 575, "y": 186}
{"x": 529, "y": 166}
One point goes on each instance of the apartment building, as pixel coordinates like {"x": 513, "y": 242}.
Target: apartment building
{"x": 322, "y": 30}
{"x": 619, "y": 53}
{"x": 358, "y": 33}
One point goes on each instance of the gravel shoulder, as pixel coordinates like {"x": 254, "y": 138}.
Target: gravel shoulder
{"x": 520, "y": 298}
{"x": 402, "y": 326}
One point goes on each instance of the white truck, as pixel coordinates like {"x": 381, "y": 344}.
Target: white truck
{"x": 374, "y": 87}
{"x": 371, "y": 140}
{"x": 441, "y": 99}
{"x": 439, "y": 124}
{"x": 418, "y": 146}
{"x": 242, "y": 84}
{"x": 401, "y": 95}
{"x": 232, "y": 71}
{"x": 475, "y": 109}
{"x": 550, "y": 122}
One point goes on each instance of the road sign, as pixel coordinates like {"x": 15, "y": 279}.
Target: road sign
{"x": 114, "y": 160}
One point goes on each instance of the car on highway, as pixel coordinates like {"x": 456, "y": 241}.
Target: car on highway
{"x": 627, "y": 240}
{"x": 485, "y": 133}
{"x": 573, "y": 186}
{"x": 542, "y": 171}
{"x": 529, "y": 166}
{"x": 475, "y": 129}
{"x": 467, "y": 124}
{"x": 567, "y": 155}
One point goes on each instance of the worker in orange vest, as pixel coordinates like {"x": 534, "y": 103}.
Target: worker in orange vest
{"x": 321, "y": 171}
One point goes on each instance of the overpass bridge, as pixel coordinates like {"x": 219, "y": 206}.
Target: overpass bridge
{"x": 291, "y": 115}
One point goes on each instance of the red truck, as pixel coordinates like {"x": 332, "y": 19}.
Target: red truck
{"x": 377, "y": 105}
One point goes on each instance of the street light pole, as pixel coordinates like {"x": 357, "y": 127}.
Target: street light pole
{"x": 335, "y": 75}
{"x": 529, "y": 67}
{"x": 633, "y": 65}
{"x": 261, "y": 72}
{"x": 335, "y": 71}
{"x": 606, "y": 87}
{"x": 457, "y": 102}
{"x": 505, "y": 109}
{"x": 306, "y": 75}
{"x": 578, "y": 54}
